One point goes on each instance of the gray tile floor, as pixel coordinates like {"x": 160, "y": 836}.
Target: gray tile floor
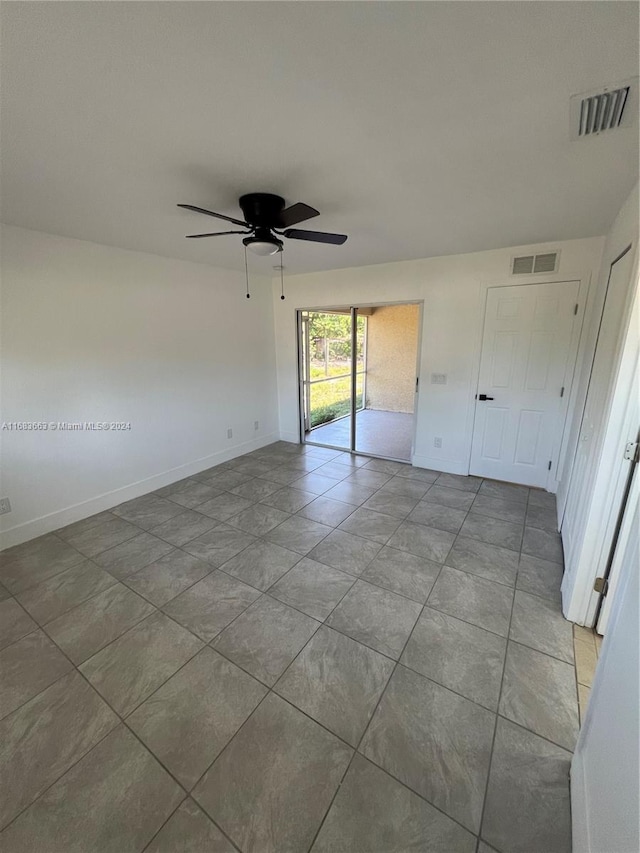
{"x": 378, "y": 432}
{"x": 296, "y": 650}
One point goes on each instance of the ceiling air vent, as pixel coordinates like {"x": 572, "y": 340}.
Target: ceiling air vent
{"x": 523, "y": 265}
{"x": 546, "y": 263}
{"x": 530, "y": 264}
{"x": 606, "y": 109}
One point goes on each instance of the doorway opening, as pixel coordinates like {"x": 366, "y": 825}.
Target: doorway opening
{"x": 358, "y": 378}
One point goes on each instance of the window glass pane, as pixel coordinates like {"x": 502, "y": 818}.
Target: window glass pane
{"x": 329, "y": 378}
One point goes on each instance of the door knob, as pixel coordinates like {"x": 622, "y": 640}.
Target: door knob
{"x": 483, "y": 397}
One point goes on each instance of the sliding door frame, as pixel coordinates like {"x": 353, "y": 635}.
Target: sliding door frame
{"x": 303, "y": 371}
{"x": 354, "y": 379}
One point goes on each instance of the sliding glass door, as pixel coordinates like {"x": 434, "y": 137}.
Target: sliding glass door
{"x": 327, "y": 379}
{"x": 384, "y": 426}
{"x": 357, "y": 371}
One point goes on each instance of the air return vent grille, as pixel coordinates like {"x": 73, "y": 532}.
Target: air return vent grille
{"x": 546, "y": 263}
{"x": 603, "y": 110}
{"x": 530, "y": 264}
{"x": 523, "y": 265}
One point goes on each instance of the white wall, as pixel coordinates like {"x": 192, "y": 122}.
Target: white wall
{"x": 392, "y": 352}
{"x": 92, "y": 333}
{"x": 605, "y": 773}
{"x": 453, "y": 289}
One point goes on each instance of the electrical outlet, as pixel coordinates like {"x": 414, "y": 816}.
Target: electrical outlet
{"x": 229, "y": 433}
{"x": 256, "y": 424}
{"x": 437, "y": 441}
{"x": 5, "y": 506}
{"x": 438, "y": 378}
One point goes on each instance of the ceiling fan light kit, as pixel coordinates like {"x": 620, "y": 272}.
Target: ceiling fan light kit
{"x": 263, "y": 243}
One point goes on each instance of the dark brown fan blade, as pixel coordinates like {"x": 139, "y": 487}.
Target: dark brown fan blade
{"x": 216, "y": 234}
{"x": 211, "y": 213}
{"x": 316, "y": 236}
{"x": 296, "y": 213}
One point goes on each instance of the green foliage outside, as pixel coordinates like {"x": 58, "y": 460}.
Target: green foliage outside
{"x": 331, "y": 400}
{"x": 318, "y": 371}
{"x": 330, "y": 355}
{"x": 330, "y": 325}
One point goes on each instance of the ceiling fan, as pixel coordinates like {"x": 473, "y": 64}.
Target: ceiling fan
{"x": 267, "y": 219}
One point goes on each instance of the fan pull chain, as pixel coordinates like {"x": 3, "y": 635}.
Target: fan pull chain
{"x": 281, "y": 274}
{"x": 246, "y": 272}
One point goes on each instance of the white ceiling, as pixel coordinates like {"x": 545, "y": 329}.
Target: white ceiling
{"x": 418, "y": 129}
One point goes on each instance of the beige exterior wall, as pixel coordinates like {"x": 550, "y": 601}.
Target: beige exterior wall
{"x": 392, "y": 351}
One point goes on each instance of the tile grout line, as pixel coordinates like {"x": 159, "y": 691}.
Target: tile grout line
{"x": 207, "y": 644}
{"x": 500, "y": 716}
{"x": 64, "y": 773}
{"x": 219, "y": 521}
{"x": 495, "y": 728}
{"x": 424, "y": 607}
{"x": 222, "y": 751}
{"x": 356, "y": 751}
{"x": 271, "y": 690}
{"x": 366, "y": 729}
{"x": 199, "y": 807}
{"x": 43, "y": 628}
{"x": 147, "y": 494}
{"x": 121, "y": 720}
{"x": 577, "y": 683}
{"x": 263, "y": 683}
{"x": 263, "y": 592}
{"x": 123, "y": 580}
{"x": 40, "y": 692}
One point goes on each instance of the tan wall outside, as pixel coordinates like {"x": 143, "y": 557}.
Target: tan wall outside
{"x": 392, "y": 351}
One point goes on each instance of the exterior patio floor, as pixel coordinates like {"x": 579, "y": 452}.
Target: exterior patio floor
{"x": 377, "y": 432}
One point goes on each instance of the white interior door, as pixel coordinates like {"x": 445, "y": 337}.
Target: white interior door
{"x": 580, "y": 489}
{"x": 521, "y": 401}
{"x": 598, "y": 501}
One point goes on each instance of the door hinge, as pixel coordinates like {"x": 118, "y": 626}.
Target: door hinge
{"x": 575, "y": 310}
{"x": 601, "y": 585}
{"x": 549, "y": 466}
{"x": 417, "y": 382}
{"x": 632, "y": 451}
{"x": 562, "y": 391}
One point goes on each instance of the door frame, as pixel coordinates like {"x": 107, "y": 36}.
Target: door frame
{"x": 304, "y": 369}
{"x": 628, "y": 509}
{"x": 588, "y": 357}
{"x": 575, "y": 348}
{"x": 580, "y": 601}
{"x": 301, "y": 371}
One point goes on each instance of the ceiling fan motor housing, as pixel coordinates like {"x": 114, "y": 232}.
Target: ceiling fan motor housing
{"x": 262, "y": 210}
{"x": 263, "y": 214}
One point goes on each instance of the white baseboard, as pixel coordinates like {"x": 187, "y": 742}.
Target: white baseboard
{"x": 293, "y": 437}
{"x": 579, "y": 807}
{"x": 68, "y": 515}
{"x": 447, "y": 466}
